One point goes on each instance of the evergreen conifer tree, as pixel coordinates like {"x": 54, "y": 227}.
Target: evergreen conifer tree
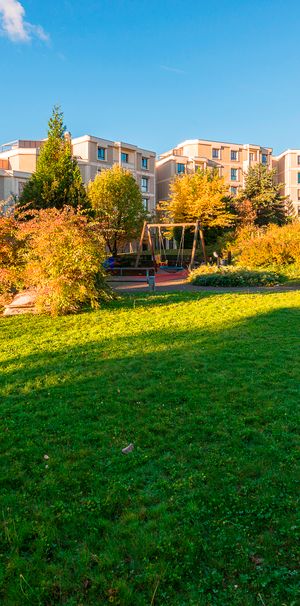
{"x": 57, "y": 181}
{"x": 263, "y": 194}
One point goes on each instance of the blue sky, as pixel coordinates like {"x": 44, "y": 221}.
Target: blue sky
{"x": 152, "y": 72}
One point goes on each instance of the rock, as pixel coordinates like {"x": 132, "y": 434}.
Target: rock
{"x": 128, "y": 449}
{"x": 23, "y": 303}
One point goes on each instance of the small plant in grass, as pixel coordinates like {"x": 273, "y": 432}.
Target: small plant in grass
{"x": 64, "y": 261}
{"x": 234, "y": 276}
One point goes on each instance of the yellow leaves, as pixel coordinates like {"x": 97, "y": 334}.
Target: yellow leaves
{"x": 200, "y": 195}
{"x": 265, "y": 246}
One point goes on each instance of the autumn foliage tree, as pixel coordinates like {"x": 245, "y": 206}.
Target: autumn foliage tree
{"x": 270, "y": 245}
{"x": 117, "y": 202}
{"x": 199, "y": 196}
{"x": 12, "y": 245}
{"x": 63, "y": 260}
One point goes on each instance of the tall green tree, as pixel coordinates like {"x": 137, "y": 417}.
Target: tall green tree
{"x": 117, "y": 201}
{"x": 263, "y": 196}
{"x": 57, "y": 181}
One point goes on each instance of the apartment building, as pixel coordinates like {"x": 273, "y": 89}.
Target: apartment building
{"x": 232, "y": 161}
{"x": 95, "y": 155}
{"x": 288, "y": 173}
{"x": 18, "y": 161}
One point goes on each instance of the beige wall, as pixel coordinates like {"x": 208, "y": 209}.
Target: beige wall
{"x": 2, "y": 190}
{"x": 22, "y": 160}
{"x": 200, "y": 153}
{"x": 11, "y": 183}
{"x": 288, "y": 169}
{"x": 86, "y": 150}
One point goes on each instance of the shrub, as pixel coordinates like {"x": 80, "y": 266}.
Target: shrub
{"x": 11, "y": 248}
{"x": 64, "y": 261}
{"x": 234, "y": 276}
{"x": 276, "y": 245}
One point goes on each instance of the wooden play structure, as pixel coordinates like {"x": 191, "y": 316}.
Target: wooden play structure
{"x": 147, "y": 234}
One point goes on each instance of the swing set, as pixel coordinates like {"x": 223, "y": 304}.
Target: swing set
{"x": 147, "y": 233}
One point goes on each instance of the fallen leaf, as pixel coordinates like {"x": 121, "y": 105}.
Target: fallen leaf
{"x": 128, "y": 449}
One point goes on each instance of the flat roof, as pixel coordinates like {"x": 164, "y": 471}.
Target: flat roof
{"x": 189, "y": 141}
{"x": 110, "y": 142}
{"x": 287, "y": 151}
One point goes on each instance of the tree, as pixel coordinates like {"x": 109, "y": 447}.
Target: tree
{"x": 268, "y": 245}
{"x": 199, "y": 196}
{"x": 57, "y": 181}
{"x": 12, "y": 246}
{"x": 245, "y": 212}
{"x": 117, "y": 201}
{"x": 63, "y": 260}
{"x": 263, "y": 196}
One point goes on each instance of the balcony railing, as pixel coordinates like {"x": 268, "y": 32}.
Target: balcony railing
{"x": 20, "y": 143}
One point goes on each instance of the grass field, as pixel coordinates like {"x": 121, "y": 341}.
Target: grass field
{"x": 204, "y": 510}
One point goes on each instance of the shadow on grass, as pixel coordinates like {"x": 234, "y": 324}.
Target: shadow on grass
{"x": 205, "y": 506}
{"x": 174, "y": 297}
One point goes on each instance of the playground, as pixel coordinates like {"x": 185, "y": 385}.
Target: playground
{"x": 162, "y": 267}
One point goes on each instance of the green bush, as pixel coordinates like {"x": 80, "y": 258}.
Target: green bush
{"x": 234, "y": 276}
{"x": 291, "y": 271}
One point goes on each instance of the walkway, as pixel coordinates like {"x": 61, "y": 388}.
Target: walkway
{"x": 172, "y": 282}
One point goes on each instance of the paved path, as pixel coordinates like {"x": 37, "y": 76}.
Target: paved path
{"x": 181, "y": 285}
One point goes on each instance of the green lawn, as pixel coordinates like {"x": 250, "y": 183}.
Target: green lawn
{"x": 204, "y": 510}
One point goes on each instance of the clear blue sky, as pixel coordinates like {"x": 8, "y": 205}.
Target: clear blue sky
{"x": 153, "y": 72}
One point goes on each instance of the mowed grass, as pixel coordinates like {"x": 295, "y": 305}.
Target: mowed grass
{"x": 204, "y": 510}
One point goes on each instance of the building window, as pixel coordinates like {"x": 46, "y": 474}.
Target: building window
{"x": 298, "y": 159}
{"x": 233, "y": 155}
{"x": 264, "y": 158}
{"x": 21, "y": 185}
{"x": 234, "y": 174}
{"x": 146, "y": 204}
{"x": 298, "y": 177}
{"x": 144, "y": 162}
{"x": 298, "y": 194}
{"x": 180, "y": 169}
{"x": 251, "y": 156}
{"x": 124, "y": 158}
{"x": 144, "y": 184}
{"x": 215, "y": 153}
{"x": 298, "y": 211}
{"x": 233, "y": 190}
{"x": 101, "y": 153}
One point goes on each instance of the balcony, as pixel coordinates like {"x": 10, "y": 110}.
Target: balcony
{"x": 20, "y": 143}
{"x": 126, "y": 165}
